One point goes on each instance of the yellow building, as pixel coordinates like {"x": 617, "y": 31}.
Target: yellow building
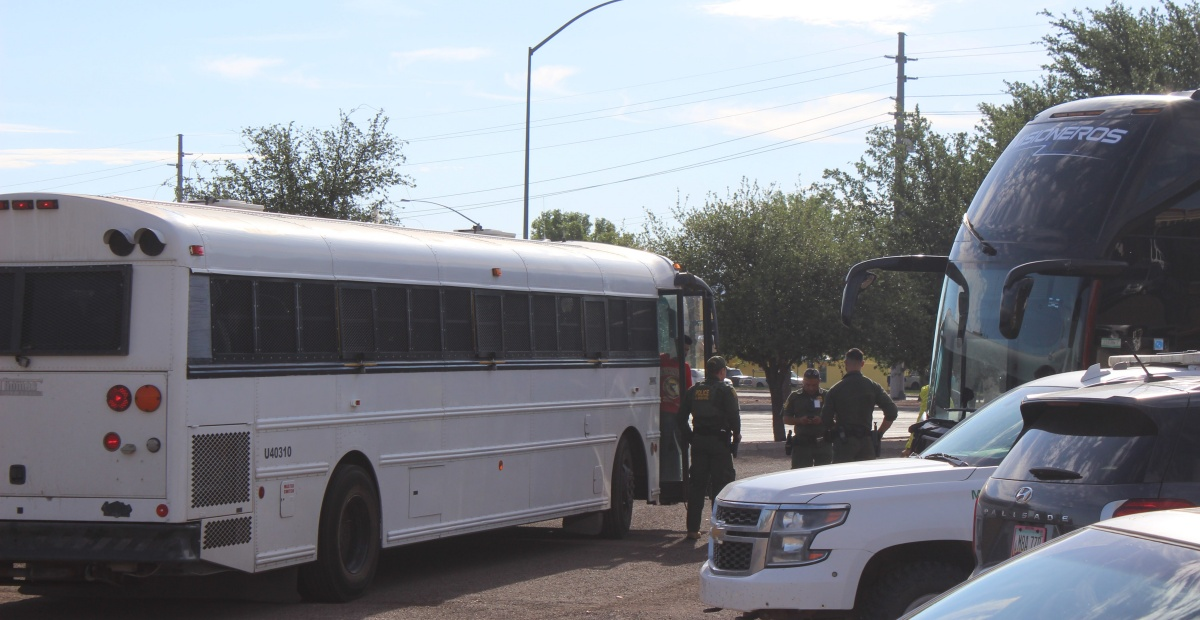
{"x": 831, "y": 372}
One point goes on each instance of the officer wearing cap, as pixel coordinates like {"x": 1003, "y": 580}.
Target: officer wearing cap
{"x": 804, "y": 409}
{"x": 716, "y": 427}
{"x": 850, "y": 404}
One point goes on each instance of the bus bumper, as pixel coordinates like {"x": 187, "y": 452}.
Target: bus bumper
{"x": 65, "y": 541}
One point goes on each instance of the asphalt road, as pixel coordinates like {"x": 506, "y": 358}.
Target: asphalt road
{"x": 530, "y": 572}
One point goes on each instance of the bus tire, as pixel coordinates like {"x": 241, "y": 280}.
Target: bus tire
{"x": 619, "y": 516}
{"x": 908, "y": 586}
{"x": 348, "y": 538}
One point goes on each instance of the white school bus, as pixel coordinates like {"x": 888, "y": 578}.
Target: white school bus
{"x": 192, "y": 388}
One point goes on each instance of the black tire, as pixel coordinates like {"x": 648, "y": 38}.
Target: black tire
{"x": 619, "y": 516}
{"x": 348, "y": 540}
{"x": 908, "y": 586}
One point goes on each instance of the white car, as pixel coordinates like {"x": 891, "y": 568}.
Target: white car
{"x": 1138, "y": 566}
{"x": 878, "y": 538}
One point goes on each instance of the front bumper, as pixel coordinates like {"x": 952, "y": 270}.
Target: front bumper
{"x": 828, "y": 585}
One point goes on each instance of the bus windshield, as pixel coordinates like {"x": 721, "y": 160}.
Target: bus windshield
{"x": 1057, "y": 181}
{"x": 974, "y": 363}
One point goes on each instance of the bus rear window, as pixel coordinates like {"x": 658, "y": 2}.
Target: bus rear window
{"x": 65, "y": 310}
{"x": 1103, "y": 445}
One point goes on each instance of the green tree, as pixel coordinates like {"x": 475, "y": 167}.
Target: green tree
{"x": 940, "y": 175}
{"x": 776, "y": 263}
{"x": 1108, "y": 51}
{"x": 557, "y": 225}
{"x": 342, "y": 173}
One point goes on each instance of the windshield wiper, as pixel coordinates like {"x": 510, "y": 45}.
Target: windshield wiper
{"x": 949, "y": 458}
{"x": 988, "y": 248}
{"x": 1054, "y": 473}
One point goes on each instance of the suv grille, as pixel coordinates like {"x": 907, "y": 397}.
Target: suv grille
{"x": 738, "y": 516}
{"x": 732, "y": 555}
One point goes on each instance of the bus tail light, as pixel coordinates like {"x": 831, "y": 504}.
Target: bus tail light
{"x": 112, "y": 442}
{"x": 119, "y": 398}
{"x": 22, "y": 204}
{"x": 162, "y": 510}
{"x": 47, "y": 204}
{"x": 3, "y": 205}
{"x": 148, "y": 398}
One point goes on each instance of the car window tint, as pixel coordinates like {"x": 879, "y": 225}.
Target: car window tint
{"x": 1091, "y": 574}
{"x": 1184, "y": 463}
{"x": 985, "y": 437}
{"x": 1104, "y": 445}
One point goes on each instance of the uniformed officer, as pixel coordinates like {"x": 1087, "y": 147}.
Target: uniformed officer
{"x": 850, "y": 404}
{"x": 716, "y": 427}
{"x": 804, "y": 409}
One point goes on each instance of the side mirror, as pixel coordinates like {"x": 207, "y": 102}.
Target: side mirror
{"x": 856, "y": 282}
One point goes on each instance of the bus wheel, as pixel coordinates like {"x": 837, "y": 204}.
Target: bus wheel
{"x": 347, "y": 541}
{"x": 619, "y": 515}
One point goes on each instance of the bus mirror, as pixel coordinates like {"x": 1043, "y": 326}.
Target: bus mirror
{"x": 1012, "y": 306}
{"x": 856, "y": 282}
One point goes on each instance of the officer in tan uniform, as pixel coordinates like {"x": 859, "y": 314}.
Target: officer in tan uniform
{"x": 804, "y": 409}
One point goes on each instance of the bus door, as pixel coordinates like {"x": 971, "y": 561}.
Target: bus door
{"x": 687, "y": 335}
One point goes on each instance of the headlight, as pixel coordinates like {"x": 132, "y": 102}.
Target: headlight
{"x": 794, "y": 529}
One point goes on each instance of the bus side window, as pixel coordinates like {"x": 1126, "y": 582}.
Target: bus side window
{"x": 232, "y": 317}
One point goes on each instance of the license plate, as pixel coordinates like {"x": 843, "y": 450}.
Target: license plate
{"x": 1026, "y": 537}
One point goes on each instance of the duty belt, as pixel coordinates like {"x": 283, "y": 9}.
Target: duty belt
{"x": 710, "y": 432}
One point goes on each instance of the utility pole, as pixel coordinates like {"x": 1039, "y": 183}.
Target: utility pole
{"x": 896, "y": 376}
{"x": 902, "y": 144}
{"x": 179, "y": 171}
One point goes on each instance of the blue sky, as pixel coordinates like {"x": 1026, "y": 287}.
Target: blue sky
{"x": 636, "y": 106}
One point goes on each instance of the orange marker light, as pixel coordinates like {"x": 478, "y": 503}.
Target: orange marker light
{"x": 496, "y": 272}
{"x": 501, "y": 466}
{"x": 148, "y": 398}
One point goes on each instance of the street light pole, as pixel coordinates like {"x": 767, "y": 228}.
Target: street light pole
{"x": 528, "y": 89}
{"x": 477, "y": 226}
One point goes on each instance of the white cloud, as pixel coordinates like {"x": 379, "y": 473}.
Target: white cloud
{"x": 547, "y": 80}
{"x": 808, "y": 122}
{"x": 240, "y": 67}
{"x": 15, "y": 128}
{"x": 882, "y": 15}
{"x": 442, "y": 54}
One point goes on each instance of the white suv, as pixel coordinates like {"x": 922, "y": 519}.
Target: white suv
{"x": 876, "y": 538}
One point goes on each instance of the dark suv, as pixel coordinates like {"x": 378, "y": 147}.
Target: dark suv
{"x": 1090, "y": 454}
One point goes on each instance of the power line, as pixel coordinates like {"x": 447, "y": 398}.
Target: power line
{"x": 520, "y": 126}
{"x": 723, "y": 158}
{"x": 69, "y": 176}
{"x": 100, "y": 178}
{"x": 644, "y": 131}
{"x": 655, "y": 83}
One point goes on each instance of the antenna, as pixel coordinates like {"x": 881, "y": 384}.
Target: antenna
{"x": 476, "y": 228}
